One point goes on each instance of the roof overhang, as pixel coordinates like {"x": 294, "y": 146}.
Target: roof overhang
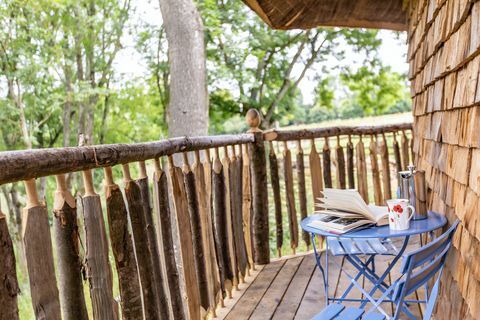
{"x": 306, "y": 14}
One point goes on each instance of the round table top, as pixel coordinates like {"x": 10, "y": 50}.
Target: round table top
{"x": 433, "y": 222}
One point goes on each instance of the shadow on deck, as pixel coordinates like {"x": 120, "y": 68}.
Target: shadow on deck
{"x": 292, "y": 288}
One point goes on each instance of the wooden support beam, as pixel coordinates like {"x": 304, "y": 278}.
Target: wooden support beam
{"x": 361, "y": 164}
{"x": 277, "y": 200}
{"x": 290, "y": 196}
{"x": 377, "y": 187}
{"x": 247, "y": 205}
{"x": 302, "y": 190}
{"x": 350, "y": 164}
{"x": 327, "y": 167}
{"x": 340, "y": 157}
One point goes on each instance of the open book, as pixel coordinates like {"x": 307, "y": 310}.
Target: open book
{"x": 342, "y": 210}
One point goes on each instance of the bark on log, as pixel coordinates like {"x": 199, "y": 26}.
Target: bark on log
{"x": 236, "y": 189}
{"x": 149, "y": 231}
{"x": 405, "y": 151}
{"x": 302, "y": 190}
{"x": 261, "y": 243}
{"x": 290, "y": 196}
{"x": 197, "y": 232}
{"x": 39, "y": 257}
{"x": 137, "y": 220}
{"x": 163, "y": 216}
{"x": 186, "y": 245}
{"x": 362, "y": 178}
{"x": 316, "y": 173}
{"x": 123, "y": 251}
{"x": 398, "y": 158}
{"x": 350, "y": 164}
{"x": 341, "y": 179}
{"x": 204, "y": 204}
{"x": 377, "y": 187}
{"x": 97, "y": 264}
{"x": 220, "y": 226}
{"x": 9, "y": 288}
{"x": 327, "y": 169}
{"x": 277, "y": 201}
{"x": 385, "y": 162}
{"x": 304, "y": 134}
{"x": 247, "y": 206}
{"x": 28, "y": 164}
{"x": 67, "y": 248}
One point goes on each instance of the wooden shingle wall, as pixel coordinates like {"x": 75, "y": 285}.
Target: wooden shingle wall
{"x": 444, "y": 57}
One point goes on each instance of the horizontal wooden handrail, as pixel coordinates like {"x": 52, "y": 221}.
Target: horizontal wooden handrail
{"x": 28, "y": 164}
{"x": 301, "y": 134}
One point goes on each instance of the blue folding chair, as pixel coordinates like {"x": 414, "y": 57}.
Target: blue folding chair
{"x": 418, "y": 267}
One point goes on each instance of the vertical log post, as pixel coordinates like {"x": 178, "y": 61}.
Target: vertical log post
{"x": 275, "y": 180}
{"x": 361, "y": 165}
{"x": 122, "y": 248}
{"x": 164, "y": 223}
{"x": 97, "y": 264}
{"x": 327, "y": 169}
{"x": 396, "y": 153}
{"x": 341, "y": 178}
{"x": 150, "y": 233}
{"x": 316, "y": 173}
{"x": 67, "y": 247}
{"x": 247, "y": 206}
{"x": 9, "y": 289}
{"x": 302, "y": 190}
{"x": 350, "y": 164}
{"x": 387, "y": 189}
{"x": 137, "y": 220}
{"x": 290, "y": 196}
{"x": 377, "y": 187}
{"x": 39, "y": 256}
{"x": 258, "y": 167}
{"x": 405, "y": 151}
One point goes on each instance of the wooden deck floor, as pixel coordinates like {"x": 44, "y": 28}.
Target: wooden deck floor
{"x": 292, "y": 288}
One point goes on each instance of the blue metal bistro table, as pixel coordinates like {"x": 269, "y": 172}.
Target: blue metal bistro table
{"x": 368, "y": 243}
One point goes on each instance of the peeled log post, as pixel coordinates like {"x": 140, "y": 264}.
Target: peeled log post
{"x": 97, "y": 265}
{"x": 163, "y": 215}
{"x": 204, "y": 203}
{"x": 385, "y": 162}
{"x": 261, "y": 243}
{"x": 151, "y": 235}
{"x": 396, "y": 153}
{"x": 192, "y": 292}
{"x": 39, "y": 257}
{"x": 290, "y": 196}
{"x": 137, "y": 220}
{"x": 315, "y": 172}
{"x": 247, "y": 205}
{"x": 123, "y": 251}
{"x": 67, "y": 247}
{"x": 377, "y": 188}
{"x": 302, "y": 190}
{"x": 405, "y": 151}
{"x": 277, "y": 201}
{"x": 350, "y": 164}
{"x": 220, "y": 227}
{"x": 361, "y": 163}
{"x": 9, "y": 289}
{"x": 196, "y": 227}
{"x": 341, "y": 181}
{"x": 327, "y": 169}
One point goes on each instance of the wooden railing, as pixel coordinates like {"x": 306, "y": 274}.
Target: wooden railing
{"x": 208, "y": 227}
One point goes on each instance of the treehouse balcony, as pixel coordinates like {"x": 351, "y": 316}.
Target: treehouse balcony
{"x": 188, "y": 227}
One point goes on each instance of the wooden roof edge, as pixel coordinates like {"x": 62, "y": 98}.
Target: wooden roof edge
{"x": 350, "y": 24}
{"x": 255, "y": 6}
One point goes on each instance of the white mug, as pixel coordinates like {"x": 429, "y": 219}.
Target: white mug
{"x": 398, "y": 217}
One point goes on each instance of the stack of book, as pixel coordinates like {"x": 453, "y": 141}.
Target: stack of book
{"x": 344, "y": 210}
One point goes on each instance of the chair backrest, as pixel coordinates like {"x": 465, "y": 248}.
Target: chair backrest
{"x": 421, "y": 265}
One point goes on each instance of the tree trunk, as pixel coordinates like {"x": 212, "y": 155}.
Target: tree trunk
{"x": 188, "y": 105}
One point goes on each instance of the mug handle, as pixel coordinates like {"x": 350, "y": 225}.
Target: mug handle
{"x": 413, "y": 211}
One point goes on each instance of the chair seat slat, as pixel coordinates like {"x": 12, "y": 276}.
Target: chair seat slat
{"x": 330, "y": 312}
{"x": 335, "y": 246}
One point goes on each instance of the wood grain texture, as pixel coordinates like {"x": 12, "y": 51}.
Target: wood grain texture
{"x": 186, "y": 246}
{"x": 405, "y": 151}
{"x": 163, "y": 216}
{"x": 124, "y": 254}
{"x": 277, "y": 201}
{"x": 327, "y": 167}
{"x": 302, "y": 189}
{"x": 39, "y": 258}
{"x": 137, "y": 220}
{"x": 385, "y": 169}
{"x": 69, "y": 265}
{"x": 247, "y": 206}
{"x": 9, "y": 288}
{"x": 316, "y": 174}
{"x": 377, "y": 187}
{"x": 340, "y": 158}
{"x": 350, "y": 164}
{"x": 396, "y": 154}
{"x": 258, "y": 165}
{"x": 290, "y": 196}
{"x": 361, "y": 165}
